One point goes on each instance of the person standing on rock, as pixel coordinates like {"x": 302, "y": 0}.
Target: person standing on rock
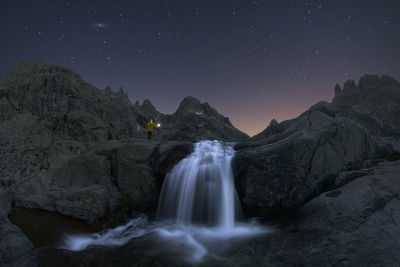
{"x": 150, "y": 126}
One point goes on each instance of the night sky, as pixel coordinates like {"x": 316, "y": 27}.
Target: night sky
{"x": 251, "y": 60}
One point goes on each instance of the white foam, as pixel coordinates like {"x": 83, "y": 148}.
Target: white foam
{"x": 197, "y": 240}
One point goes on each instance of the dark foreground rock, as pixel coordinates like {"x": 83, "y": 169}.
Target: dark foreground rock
{"x": 15, "y": 248}
{"x": 354, "y": 225}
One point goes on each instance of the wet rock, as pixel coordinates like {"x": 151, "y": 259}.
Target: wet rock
{"x": 166, "y": 156}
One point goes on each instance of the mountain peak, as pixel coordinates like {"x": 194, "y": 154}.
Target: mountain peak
{"x": 189, "y": 104}
{"x": 273, "y": 123}
{"x": 38, "y": 72}
{"x": 33, "y": 66}
{"x": 190, "y": 100}
{"x": 147, "y": 103}
{"x": 148, "y": 108}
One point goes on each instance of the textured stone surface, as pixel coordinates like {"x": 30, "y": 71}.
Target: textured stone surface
{"x": 283, "y": 170}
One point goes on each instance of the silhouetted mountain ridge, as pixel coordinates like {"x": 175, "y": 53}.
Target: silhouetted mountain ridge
{"x": 77, "y": 109}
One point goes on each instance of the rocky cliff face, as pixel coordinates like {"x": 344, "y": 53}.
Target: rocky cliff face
{"x": 70, "y": 106}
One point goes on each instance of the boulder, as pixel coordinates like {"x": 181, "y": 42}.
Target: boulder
{"x": 298, "y": 164}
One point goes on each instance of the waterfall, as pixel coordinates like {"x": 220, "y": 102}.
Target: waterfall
{"x": 200, "y": 188}
{"x": 199, "y": 196}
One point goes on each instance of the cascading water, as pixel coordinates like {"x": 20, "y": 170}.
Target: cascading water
{"x": 200, "y": 188}
{"x": 199, "y": 196}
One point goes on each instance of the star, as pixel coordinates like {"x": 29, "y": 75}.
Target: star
{"x": 100, "y": 26}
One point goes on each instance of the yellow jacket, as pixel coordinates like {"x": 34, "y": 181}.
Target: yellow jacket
{"x": 150, "y": 126}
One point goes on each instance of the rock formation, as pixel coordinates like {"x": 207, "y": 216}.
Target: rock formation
{"x": 293, "y": 161}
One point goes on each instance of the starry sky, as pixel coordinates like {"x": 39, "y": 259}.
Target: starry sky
{"x": 251, "y": 60}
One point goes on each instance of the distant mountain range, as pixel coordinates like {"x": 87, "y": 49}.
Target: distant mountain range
{"x": 73, "y": 108}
